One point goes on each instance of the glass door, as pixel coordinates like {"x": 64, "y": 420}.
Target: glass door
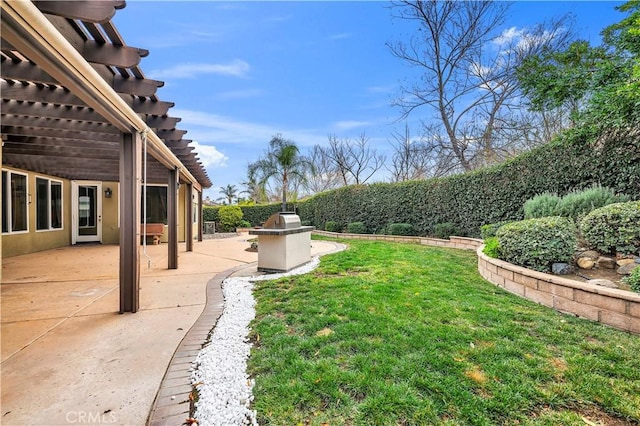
{"x": 87, "y": 218}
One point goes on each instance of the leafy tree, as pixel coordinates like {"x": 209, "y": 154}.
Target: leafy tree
{"x": 257, "y": 192}
{"x": 230, "y": 192}
{"x": 282, "y": 163}
{"x": 605, "y": 79}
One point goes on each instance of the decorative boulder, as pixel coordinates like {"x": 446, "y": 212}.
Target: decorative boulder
{"x": 589, "y": 254}
{"x": 561, "y": 268}
{"x": 627, "y": 269}
{"x": 622, "y": 262}
{"x": 585, "y": 262}
{"x": 604, "y": 262}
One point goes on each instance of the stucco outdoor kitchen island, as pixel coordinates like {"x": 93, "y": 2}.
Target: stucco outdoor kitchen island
{"x": 283, "y": 243}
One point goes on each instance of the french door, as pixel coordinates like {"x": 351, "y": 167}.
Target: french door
{"x": 87, "y": 212}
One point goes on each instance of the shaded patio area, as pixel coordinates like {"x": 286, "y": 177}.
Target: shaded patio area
{"x": 69, "y": 357}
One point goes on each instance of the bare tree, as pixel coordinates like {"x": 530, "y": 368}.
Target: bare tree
{"x": 325, "y": 174}
{"x": 355, "y": 161}
{"x": 412, "y": 159}
{"x": 469, "y": 81}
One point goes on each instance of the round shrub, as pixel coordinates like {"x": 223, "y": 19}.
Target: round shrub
{"x": 489, "y": 230}
{"x": 230, "y": 218}
{"x": 356, "y": 228}
{"x": 331, "y": 226}
{"x": 542, "y": 205}
{"x": 577, "y": 204}
{"x": 537, "y": 243}
{"x": 445, "y": 230}
{"x": 244, "y": 224}
{"x": 492, "y": 247}
{"x": 633, "y": 280}
{"x": 400, "y": 229}
{"x": 613, "y": 228}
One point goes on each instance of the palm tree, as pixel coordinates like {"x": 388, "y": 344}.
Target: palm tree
{"x": 230, "y": 192}
{"x": 283, "y": 163}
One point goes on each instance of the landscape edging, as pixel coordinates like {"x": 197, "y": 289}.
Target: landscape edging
{"x": 616, "y": 308}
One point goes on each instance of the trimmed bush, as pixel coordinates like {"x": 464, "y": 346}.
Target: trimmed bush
{"x": 357, "y": 228}
{"x": 331, "y": 226}
{"x": 537, "y": 243}
{"x": 244, "y": 224}
{"x": 633, "y": 280}
{"x": 399, "y": 229}
{"x": 577, "y": 204}
{"x": 230, "y": 218}
{"x": 542, "y": 205}
{"x": 210, "y": 214}
{"x": 445, "y": 230}
{"x": 492, "y": 247}
{"x": 489, "y": 230}
{"x": 613, "y": 228}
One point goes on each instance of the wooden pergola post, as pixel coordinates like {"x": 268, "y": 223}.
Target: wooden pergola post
{"x": 188, "y": 222}
{"x": 200, "y": 216}
{"x": 172, "y": 218}
{"x": 130, "y": 181}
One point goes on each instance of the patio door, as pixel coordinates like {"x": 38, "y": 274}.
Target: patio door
{"x": 87, "y": 212}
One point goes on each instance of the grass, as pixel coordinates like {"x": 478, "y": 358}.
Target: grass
{"x": 395, "y": 334}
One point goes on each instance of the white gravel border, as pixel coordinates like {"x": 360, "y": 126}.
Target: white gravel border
{"x": 220, "y": 369}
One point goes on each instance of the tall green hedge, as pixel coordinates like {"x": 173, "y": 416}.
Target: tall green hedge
{"x": 490, "y": 195}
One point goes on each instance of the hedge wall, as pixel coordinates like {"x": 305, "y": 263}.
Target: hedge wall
{"x": 470, "y": 200}
{"x": 253, "y": 214}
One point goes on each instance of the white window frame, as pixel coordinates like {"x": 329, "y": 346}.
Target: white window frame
{"x": 49, "y": 201}
{"x": 8, "y": 207}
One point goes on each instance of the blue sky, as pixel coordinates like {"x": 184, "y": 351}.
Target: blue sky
{"x": 241, "y": 72}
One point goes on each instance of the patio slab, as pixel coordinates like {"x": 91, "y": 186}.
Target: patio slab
{"x": 68, "y": 357}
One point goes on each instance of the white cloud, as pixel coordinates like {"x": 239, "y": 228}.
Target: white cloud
{"x": 349, "y": 124}
{"x": 240, "y": 94}
{"x": 381, "y": 89}
{"x": 216, "y": 129}
{"x": 209, "y": 155}
{"x": 339, "y": 36}
{"x": 508, "y": 36}
{"x": 235, "y": 68}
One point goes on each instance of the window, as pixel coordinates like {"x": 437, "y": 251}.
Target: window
{"x": 156, "y": 204}
{"x": 48, "y": 204}
{"x": 14, "y": 202}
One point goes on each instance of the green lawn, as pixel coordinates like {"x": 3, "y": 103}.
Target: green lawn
{"x": 394, "y": 334}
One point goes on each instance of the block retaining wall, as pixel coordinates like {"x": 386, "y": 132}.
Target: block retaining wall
{"x": 616, "y": 308}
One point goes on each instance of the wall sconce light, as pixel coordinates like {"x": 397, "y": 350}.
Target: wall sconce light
{"x": 108, "y": 193}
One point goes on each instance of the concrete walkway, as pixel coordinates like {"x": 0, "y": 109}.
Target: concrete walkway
{"x": 68, "y": 357}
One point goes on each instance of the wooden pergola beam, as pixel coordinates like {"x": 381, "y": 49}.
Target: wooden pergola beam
{"x": 57, "y": 124}
{"x": 86, "y": 10}
{"x": 65, "y": 112}
{"x": 68, "y": 135}
{"x": 60, "y": 96}
{"x": 26, "y": 71}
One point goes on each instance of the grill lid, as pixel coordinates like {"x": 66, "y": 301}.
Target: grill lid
{"x": 282, "y": 221}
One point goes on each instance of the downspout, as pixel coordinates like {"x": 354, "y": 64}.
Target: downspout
{"x": 144, "y": 198}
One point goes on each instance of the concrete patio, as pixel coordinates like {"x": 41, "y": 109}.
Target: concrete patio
{"x": 68, "y": 357}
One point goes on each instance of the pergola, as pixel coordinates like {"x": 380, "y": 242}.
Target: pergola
{"x": 75, "y": 104}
